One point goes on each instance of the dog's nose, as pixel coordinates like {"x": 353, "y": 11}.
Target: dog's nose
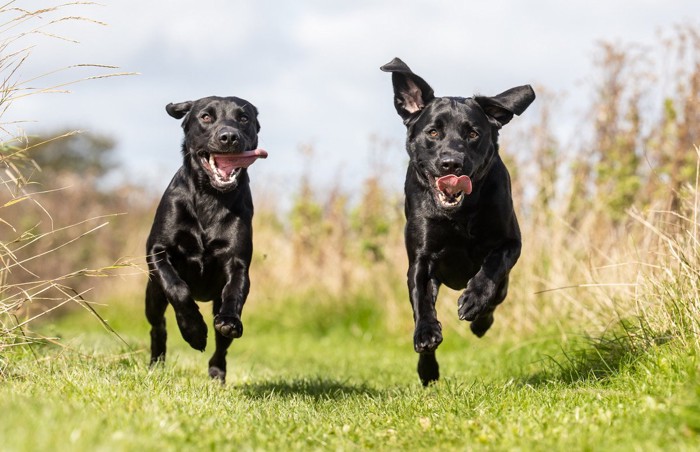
{"x": 450, "y": 165}
{"x": 228, "y": 137}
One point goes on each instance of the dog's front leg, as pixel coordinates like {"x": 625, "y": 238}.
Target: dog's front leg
{"x": 488, "y": 287}
{"x": 423, "y": 291}
{"x": 189, "y": 319}
{"x": 228, "y": 320}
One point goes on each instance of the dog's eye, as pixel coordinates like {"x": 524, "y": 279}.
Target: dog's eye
{"x": 433, "y": 133}
{"x": 205, "y": 117}
{"x": 472, "y": 135}
{"x": 243, "y": 118}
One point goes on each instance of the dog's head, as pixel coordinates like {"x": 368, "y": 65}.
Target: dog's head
{"x": 221, "y": 138}
{"x": 451, "y": 141}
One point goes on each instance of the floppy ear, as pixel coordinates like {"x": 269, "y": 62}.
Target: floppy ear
{"x": 503, "y": 106}
{"x": 178, "y": 110}
{"x": 411, "y": 93}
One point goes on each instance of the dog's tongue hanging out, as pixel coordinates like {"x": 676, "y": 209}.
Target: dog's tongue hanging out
{"x": 452, "y": 184}
{"x": 229, "y": 162}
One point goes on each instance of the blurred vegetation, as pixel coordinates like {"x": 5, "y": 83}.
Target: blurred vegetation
{"x": 40, "y": 270}
{"x": 599, "y": 215}
{"x": 67, "y": 185}
{"x": 85, "y": 156}
{"x": 598, "y": 209}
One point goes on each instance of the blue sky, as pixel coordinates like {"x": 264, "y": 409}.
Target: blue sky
{"x": 312, "y": 69}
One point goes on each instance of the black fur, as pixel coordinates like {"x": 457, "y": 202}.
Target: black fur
{"x": 473, "y": 242}
{"x": 200, "y": 245}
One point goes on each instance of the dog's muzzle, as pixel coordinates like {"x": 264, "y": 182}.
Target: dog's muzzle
{"x": 450, "y": 189}
{"x": 224, "y": 168}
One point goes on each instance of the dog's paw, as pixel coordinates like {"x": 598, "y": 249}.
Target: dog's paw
{"x": 228, "y": 326}
{"x": 216, "y": 373}
{"x": 156, "y": 360}
{"x": 193, "y": 329}
{"x": 477, "y": 299}
{"x": 481, "y": 324}
{"x": 427, "y": 336}
{"x": 428, "y": 368}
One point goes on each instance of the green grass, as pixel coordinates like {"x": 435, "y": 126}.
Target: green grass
{"x": 328, "y": 376}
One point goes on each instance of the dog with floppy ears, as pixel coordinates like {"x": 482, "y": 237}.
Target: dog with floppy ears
{"x": 201, "y": 241}
{"x": 461, "y": 228}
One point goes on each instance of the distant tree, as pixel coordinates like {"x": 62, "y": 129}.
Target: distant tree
{"x": 87, "y": 155}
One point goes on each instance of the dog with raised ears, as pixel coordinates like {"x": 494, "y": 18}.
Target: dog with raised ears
{"x": 201, "y": 241}
{"x": 461, "y": 229}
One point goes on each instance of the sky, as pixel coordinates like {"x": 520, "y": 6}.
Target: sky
{"x": 312, "y": 69}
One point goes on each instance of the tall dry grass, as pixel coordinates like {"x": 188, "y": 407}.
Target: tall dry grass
{"x": 618, "y": 212}
{"x": 29, "y": 233}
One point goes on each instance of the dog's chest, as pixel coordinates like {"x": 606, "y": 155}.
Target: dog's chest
{"x": 456, "y": 263}
{"x": 201, "y": 263}
{"x": 203, "y": 251}
{"x": 196, "y": 251}
{"x": 456, "y": 254}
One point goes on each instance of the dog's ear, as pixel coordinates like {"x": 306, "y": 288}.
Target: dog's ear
{"x": 503, "y": 106}
{"x": 178, "y": 110}
{"x": 411, "y": 93}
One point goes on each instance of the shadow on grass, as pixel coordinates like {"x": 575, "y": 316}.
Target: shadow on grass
{"x": 600, "y": 358}
{"x": 316, "y": 388}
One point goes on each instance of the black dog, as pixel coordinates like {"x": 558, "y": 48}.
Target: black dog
{"x": 461, "y": 228}
{"x": 201, "y": 241}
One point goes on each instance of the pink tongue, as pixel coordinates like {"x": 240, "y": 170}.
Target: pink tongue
{"x": 229, "y": 162}
{"x": 452, "y": 184}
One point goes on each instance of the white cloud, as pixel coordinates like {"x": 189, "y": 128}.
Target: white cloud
{"x": 312, "y": 67}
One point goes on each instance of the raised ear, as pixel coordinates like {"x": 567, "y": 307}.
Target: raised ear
{"x": 411, "y": 93}
{"x": 178, "y": 110}
{"x": 503, "y": 106}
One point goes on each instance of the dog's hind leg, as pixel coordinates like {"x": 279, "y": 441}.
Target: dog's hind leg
{"x": 489, "y": 286}
{"x": 428, "y": 368}
{"x": 217, "y": 363}
{"x": 483, "y": 322}
{"x": 156, "y": 303}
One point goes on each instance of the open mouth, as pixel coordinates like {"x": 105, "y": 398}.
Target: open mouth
{"x": 224, "y": 168}
{"x": 451, "y": 189}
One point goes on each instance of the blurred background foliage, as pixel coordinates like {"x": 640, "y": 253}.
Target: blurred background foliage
{"x": 630, "y": 156}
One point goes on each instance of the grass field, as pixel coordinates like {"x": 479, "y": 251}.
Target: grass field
{"x": 330, "y": 377}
